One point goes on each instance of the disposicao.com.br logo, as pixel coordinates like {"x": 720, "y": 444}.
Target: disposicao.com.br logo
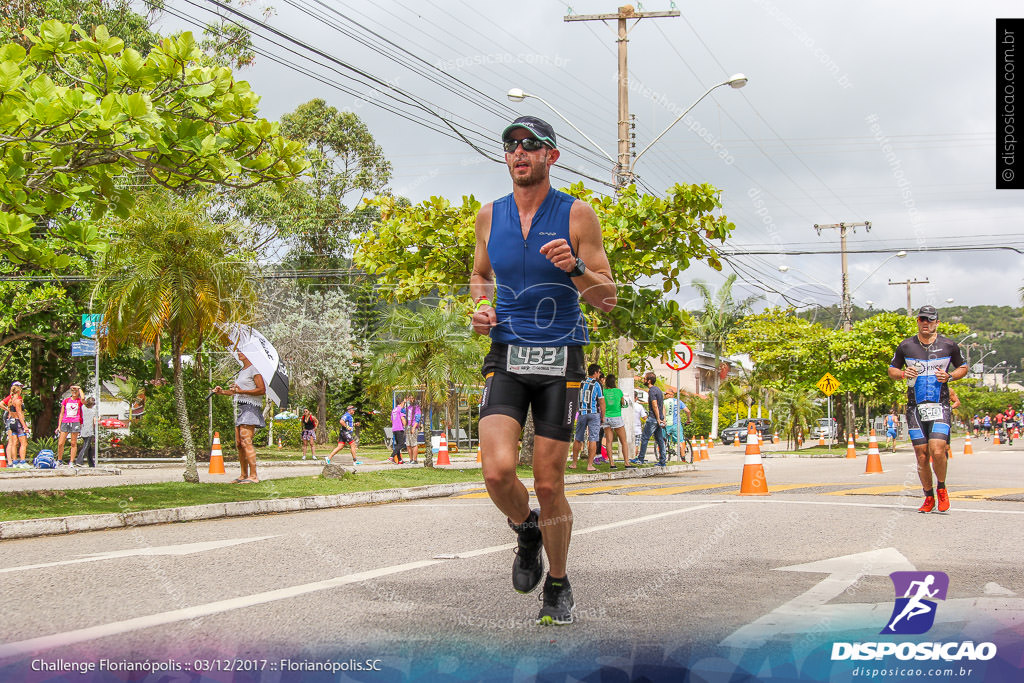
{"x": 913, "y": 613}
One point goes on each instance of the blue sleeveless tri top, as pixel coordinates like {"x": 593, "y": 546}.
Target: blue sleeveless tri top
{"x": 536, "y": 303}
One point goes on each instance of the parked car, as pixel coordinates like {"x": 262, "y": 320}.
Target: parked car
{"x": 113, "y": 423}
{"x": 761, "y": 424}
{"x": 826, "y": 428}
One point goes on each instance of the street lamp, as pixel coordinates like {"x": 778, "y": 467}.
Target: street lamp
{"x": 898, "y": 254}
{"x": 981, "y": 362}
{"x": 735, "y": 81}
{"x": 518, "y": 95}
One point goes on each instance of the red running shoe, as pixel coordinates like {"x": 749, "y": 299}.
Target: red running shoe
{"x": 929, "y": 504}
{"x": 943, "y": 499}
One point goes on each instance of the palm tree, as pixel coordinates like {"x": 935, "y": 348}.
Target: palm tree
{"x": 719, "y": 318}
{"x": 431, "y": 347}
{"x": 170, "y": 270}
{"x": 797, "y": 411}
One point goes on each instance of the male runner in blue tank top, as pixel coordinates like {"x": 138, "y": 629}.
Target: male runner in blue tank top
{"x": 537, "y": 252}
{"x": 929, "y": 361}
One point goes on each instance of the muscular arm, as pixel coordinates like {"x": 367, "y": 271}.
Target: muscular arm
{"x": 481, "y": 280}
{"x": 595, "y": 285}
{"x": 895, "y": 373}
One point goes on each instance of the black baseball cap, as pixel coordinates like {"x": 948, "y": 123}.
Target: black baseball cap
{"x": 928, "y": 312}
{"x": 539, "y": 128}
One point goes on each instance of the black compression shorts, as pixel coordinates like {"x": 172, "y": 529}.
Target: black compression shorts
{"x": 554, "y": 399}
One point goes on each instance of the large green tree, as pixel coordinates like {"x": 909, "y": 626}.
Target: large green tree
{"x": 79, "y": 112}
{"x": 430, "y": 347}
{"x": 172, "y": 271}
{"x": 318, "y": 217}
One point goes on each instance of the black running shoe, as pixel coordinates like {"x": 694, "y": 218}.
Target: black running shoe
{"x": 528, "y": 565}
{"x": 558, "y": 603}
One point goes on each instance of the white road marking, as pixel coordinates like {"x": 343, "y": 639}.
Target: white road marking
{"x": 802, "y": 612}
{"x": 181, "y": 549}
{"x": 60, "y": 640}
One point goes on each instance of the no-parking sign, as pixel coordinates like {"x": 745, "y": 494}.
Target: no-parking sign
{"x": 683, "y": 355}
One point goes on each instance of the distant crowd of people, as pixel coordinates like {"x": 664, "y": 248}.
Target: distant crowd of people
{"x": 77, "y": 418}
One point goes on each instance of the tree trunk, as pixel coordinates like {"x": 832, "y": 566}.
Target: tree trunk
{"x": 158, "y": 371}
{"x": 714, "y": 405}
{"x": 191, "y": 474}
{"x": 49, "y": 391}
{"x": 321, "y": 411}
{"x": 526, "y": 450}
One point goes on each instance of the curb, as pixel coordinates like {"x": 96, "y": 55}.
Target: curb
{"x": 53, "y": 526}
{"x": 61, "y": 472}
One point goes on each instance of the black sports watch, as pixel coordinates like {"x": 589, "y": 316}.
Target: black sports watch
{"x": 580, "y": 268}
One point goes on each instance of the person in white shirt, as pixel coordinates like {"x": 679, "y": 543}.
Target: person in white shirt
{"x": 247, "y": 393}
{"x": 87, "y": 454}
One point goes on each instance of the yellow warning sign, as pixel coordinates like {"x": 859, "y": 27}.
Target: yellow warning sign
{"x": 828, "y": 384}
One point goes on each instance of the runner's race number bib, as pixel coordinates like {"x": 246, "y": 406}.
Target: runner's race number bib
{"x": 929, "y": 412}
{"x": 537, "y": 360}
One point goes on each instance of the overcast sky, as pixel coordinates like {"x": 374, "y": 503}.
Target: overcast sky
{"x": 869, "y": 111}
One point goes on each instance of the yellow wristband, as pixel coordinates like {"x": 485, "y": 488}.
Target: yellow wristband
{"x": 482, "y": 302}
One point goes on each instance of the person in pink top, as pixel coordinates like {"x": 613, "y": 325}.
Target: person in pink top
{"x": 70, "y": 423}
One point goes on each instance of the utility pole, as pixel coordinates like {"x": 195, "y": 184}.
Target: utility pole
{"x": 908, "y": 283}
{"x": 846, "y": 306}
{"x": 623, "y": 173}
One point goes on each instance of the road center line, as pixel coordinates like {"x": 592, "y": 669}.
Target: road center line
{"x": 59, "y": 640}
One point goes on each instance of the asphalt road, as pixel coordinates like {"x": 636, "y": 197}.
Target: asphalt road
{"x": 669, "y": 574}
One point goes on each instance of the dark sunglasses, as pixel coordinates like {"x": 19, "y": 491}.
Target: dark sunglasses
{"x": 529, "y": 145}
{"x": 922, "y": 319}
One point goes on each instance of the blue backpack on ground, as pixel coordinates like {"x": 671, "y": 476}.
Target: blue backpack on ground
{"x": 44, "y": 460}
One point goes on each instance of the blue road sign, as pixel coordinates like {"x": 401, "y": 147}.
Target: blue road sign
{"x": 85, "y": 347}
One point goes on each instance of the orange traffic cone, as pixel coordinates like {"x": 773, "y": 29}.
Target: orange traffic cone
{"x": 775, "y": 437}
{"x": 280, "y": 442}
{"x": 216, "y": 457}
{"x": 753, "y": 482}
{"x": 851, "y": 450}
{"x": 711, "y": 442}
{"x": 442, "y": 452}
{"x": 968, "y": 450}
{"x": 874, "y": 457}
{"x": 704, "y": 450}
{"x": 736, "y": 440}
{"x": 821, "y": 439}
{"x": 3, "y": 458}
{"x": 760, "y": 438}
{"x": 995, "y": 439}
{"x": 799, "y": 439}
{"x": 1016, "y": 432}
{"x": 479, "y": 458}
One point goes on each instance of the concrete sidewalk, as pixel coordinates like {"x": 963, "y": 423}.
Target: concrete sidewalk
{"x": 54, "y": 479}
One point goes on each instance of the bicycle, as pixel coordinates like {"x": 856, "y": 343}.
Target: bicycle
{"x": 685, "y": 454}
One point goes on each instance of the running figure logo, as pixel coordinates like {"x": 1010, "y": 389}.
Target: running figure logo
{"x": 914, "y": 612}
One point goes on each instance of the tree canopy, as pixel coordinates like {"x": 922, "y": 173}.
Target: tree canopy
{"x": 80, "y": 114}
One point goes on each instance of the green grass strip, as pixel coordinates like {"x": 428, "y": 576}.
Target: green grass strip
{"x": 132, "y": 498}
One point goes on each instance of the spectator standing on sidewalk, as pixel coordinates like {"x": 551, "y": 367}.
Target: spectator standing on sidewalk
{"x": 70, "y": 422}
{"x": 246, "y": 393}
{"x": 87, "y": 454}
{"x": 413, "y": 422}
{"x": 309, "y": 425}
{"x": 398, "y": 422}
{"x": 655, "y": 425}
{"x": 16, "y": 426}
